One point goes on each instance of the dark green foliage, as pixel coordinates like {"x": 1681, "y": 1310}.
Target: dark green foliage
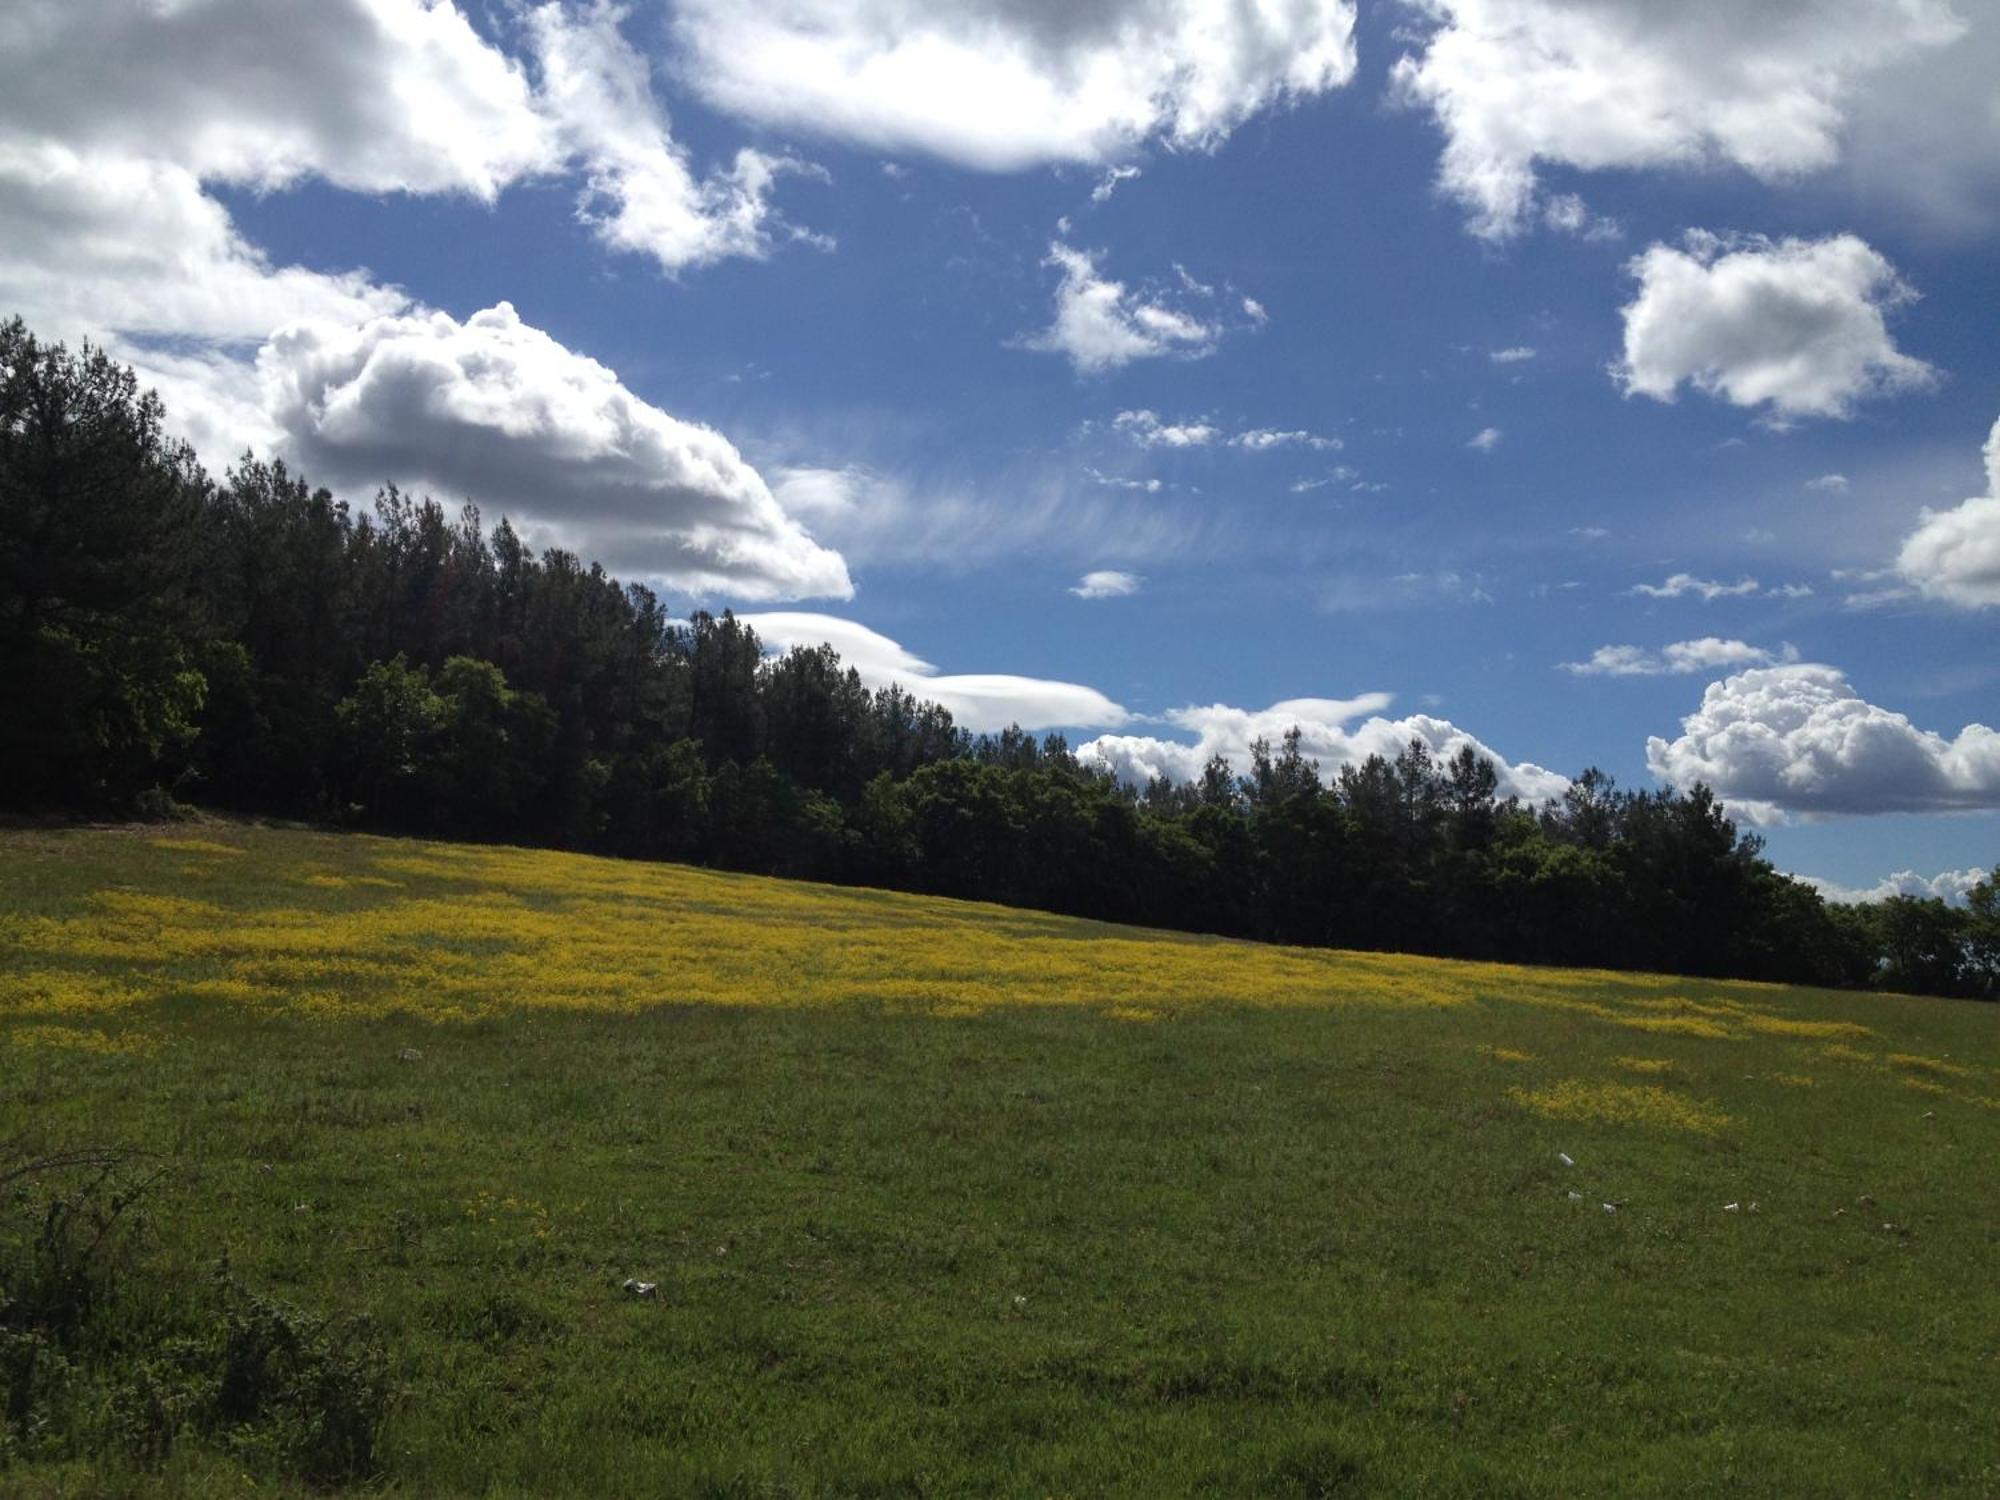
{"x": 408, "y": 670}
{"x": 99, "y": 515}
{"x": 100, "y": 1353}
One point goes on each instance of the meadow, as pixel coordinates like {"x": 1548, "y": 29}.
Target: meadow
{"x": 941, "y": 1198}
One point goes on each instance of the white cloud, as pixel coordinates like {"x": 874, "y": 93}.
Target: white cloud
{"x": 1680, "y": 659}
{"x": 1597, "y": 84}
{"x": 1108, "y": 183}
{"x": 1512, "y": 356}
{"x": 1707, "y": 588}
{"x": 980, "y": 702}
{"x": 1948, "y": 886}
{"x": 1791, "y": 591}
{"x": 641, "y": 194}
{"x": 1954, "y": 555}
{"x": 1567, "y": 213}
{"x": 1328, "y": 734}
{"x": 1485, "y": 440}
{"x": 1834, "y": 482}
{"x": 1150, "y": 430}
{"x": 1797, "y": 739}
{"x": 118, "y": 119}
{"x": 1122, "y": 482}
{"x": 498, "y": 410}
{"x": 999, "y": 85}
{"x": 1147, "y": 430}
{"x": 1793, "y": 325}
{"x": 1100, "y": 325}
{"x": 1263, "y": 439}
{"x": 1342, "y": 474}
{"x": 376, "y": 96}
{"x": 127, "y": 244}
{"x": 1106, "y": 583}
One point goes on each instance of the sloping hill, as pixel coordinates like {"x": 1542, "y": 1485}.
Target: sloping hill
{"x": 945, "y": 1198}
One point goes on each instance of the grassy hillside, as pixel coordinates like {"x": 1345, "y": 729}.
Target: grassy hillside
{"x": 951, "y": 1199}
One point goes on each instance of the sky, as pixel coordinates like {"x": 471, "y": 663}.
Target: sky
{"x": 1599, "y": 382}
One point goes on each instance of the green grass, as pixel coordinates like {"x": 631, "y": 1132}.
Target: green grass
{"x": 1116, "y": 1238}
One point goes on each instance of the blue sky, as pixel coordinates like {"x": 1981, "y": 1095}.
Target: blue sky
{"x": 1369, "y": 363}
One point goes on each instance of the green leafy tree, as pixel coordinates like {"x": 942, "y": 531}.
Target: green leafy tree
{"x": 98, "y": 640}
{"x": 391, "y": 730}
{"x": 1982, "y": 937}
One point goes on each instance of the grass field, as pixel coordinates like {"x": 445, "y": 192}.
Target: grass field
{"x": 951, "y": 1199}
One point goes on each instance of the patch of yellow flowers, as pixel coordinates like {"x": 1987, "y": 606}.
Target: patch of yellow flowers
{"x": 446, "y": 933}
{"x": 1621, "y": 1104}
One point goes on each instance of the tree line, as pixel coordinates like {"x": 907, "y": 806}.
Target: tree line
{"x": 253, "y": 644}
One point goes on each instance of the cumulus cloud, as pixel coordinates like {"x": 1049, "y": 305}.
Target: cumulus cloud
{"x": 641, "y": 195}
{"x": 1954, "y": 555}
{"x": 373, "y": 95}
{"x": 116, "y": 118}
{"x": 1797, "y": 739}
{"x": 1706, "y": 589}
{"x": 1100, "y": 324}
{"x": 119, "y": 120}
{"x": 1147, "y": 430}
{"x": 1328, "y": 733}
{"x": 1263, "y": 439}
{"x": 1679, "y": 659}
{"x": 1485, "y": 440}
{"x": 1925, "y": 136}
{"x": 498, "y": 410}
{"x": 1597, "y": 84}
{"x": 979, "y": 702}
{"x": 1796, "y": 326}
{"x": 999, "y": 85}
{"x": 1948, "y": 886}
{"x": 1106, "y": 583}
{"x": 104, "y": 247}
